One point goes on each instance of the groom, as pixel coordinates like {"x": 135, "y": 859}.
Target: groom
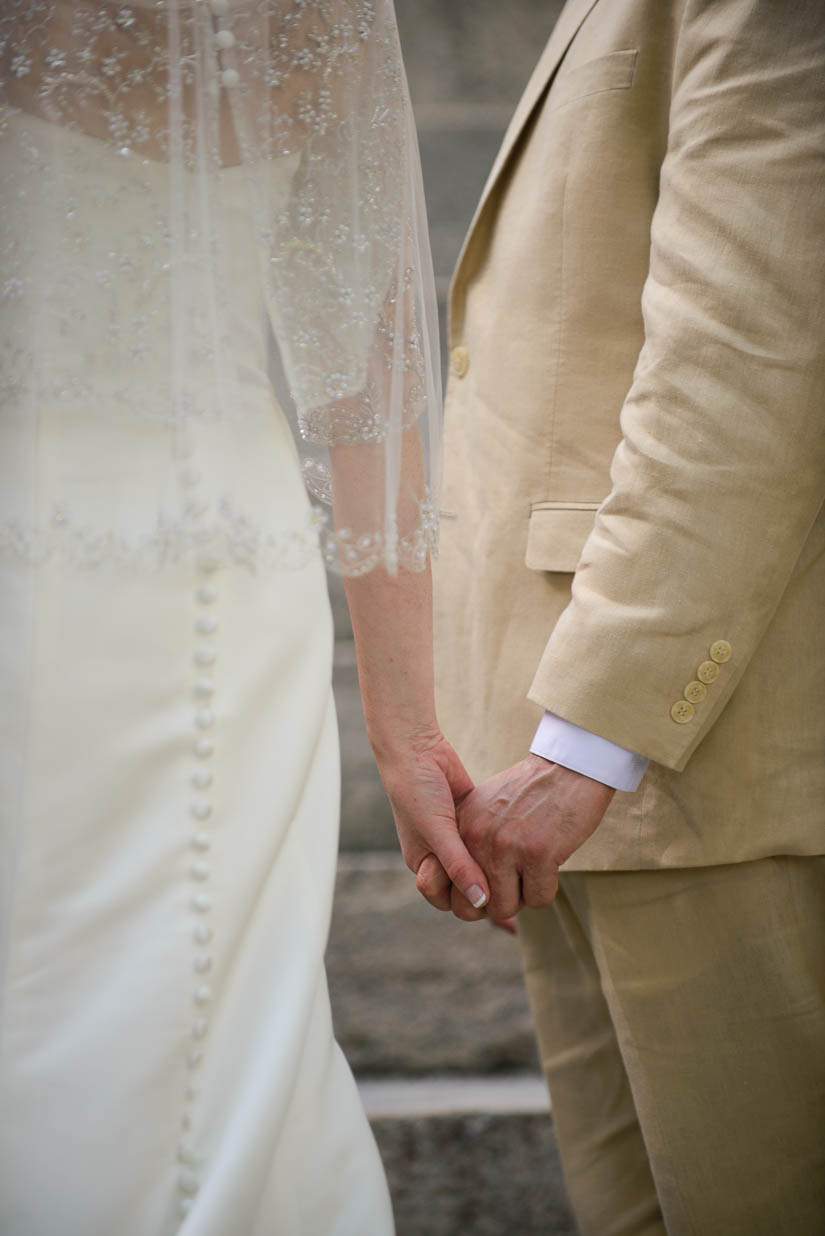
{"x": 632, "y": 587}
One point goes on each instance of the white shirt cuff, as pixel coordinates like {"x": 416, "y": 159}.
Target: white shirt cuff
{"x": 569, "y": 745}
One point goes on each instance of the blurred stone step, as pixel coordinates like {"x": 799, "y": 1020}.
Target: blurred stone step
{"x": 503, "y": 1094}
{"x": 473, "y": 1155}
{"x": 415, "y": 991}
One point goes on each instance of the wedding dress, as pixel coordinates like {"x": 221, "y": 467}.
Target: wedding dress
{"x": 196, "y": 196}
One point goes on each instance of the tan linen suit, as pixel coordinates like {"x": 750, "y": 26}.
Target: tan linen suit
{"x": 634, "y": 538}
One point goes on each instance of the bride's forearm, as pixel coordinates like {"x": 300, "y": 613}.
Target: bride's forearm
{"x": 391, "y": 615}
{"x": 392, "y": 624}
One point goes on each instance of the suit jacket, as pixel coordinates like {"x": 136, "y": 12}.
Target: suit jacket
{"x": 636, "y": 413}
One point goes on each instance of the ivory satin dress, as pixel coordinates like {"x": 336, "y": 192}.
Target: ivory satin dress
{"x": 186, "y": 190}
{"x": 168, "y": 1061}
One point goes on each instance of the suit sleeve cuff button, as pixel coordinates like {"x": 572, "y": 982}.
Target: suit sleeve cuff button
{"x": 720, "y": 652}
{"x": 682, "y": 712}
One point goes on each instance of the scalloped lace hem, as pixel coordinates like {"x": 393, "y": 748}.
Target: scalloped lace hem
{"x": 229, "y": 539}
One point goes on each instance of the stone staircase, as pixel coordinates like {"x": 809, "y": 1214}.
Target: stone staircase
{"x": 433, "y": 1017}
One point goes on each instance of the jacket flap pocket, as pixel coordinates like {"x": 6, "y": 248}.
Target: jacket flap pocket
{"x": 556, "y": 534}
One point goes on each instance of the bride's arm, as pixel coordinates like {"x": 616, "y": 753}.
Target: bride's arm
{"x": 353, "y": 309}
{"x": 422, "y": 774}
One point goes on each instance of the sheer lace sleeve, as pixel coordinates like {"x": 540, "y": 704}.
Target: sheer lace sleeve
{"x": 201, "y": 199}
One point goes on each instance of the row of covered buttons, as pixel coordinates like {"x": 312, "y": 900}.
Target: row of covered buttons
{"x": 204, "y": 656}
{"x": 205, "y": 625}
{"x": 224, "y": 41}
{"x": 200, "y": 809}
{"x": 684, "y": 710}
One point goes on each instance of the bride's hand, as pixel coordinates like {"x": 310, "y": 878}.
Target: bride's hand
{"x": 425, "y": 782}
{"x": 424, "y": 778}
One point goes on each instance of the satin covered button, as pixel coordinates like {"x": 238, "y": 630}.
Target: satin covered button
{"x": 203, "y": 994}
{"x": 188, "y": 1181}
{"x": 205, "y": 656}
{"x": 206, "y": 594}
{"x": 225, "y": 39}
{"x": 202, "y": 902}
{"x": 202, "y": 778}
{"x": 230, "y": 78}
{"x": 206, "y": 624}
{"x": 204, "y": 748}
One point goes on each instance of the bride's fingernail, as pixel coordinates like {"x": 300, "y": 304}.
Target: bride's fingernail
{"x": 476, "y": 896}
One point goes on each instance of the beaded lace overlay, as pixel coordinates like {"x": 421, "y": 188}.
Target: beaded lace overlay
{"x": 201, "y": 198}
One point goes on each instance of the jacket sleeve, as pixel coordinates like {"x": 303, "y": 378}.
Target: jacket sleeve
{"x": 720, "y": 473}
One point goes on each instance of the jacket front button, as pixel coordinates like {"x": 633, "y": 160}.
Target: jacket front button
{"x": 459, "y": 361}
{"x": 682, "y": 712}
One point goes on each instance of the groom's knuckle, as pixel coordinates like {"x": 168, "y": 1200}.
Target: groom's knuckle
{"x": 499, "y": 845}
{"x": 533, "y": 851}
{"x": 427, "y": 882}
{"x": 547, "y": 892}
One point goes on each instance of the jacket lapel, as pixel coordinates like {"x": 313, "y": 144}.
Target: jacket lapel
{"x": 564, "y": 31}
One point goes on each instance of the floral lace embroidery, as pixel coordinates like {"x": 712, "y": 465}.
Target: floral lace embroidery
{"x": 222, "y": 537}
{"x": 175, "y": 173}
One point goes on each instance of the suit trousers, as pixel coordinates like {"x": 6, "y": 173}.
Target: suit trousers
{"x": 681, "y": 1023}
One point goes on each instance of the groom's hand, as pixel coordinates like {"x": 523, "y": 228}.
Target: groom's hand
{"x": 520, "y": 826}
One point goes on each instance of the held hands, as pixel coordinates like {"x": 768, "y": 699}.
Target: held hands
{"x": 425, "y": 782}
{"x": 519, "y": 826}
{"x": 486, "y": 851}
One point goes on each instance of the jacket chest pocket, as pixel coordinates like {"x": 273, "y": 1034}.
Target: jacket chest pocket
{"x": 556, "y": 534}
{"x": 612, "y": 72}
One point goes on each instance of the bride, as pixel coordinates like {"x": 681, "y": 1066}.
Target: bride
{"x": 203, "y": 202}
